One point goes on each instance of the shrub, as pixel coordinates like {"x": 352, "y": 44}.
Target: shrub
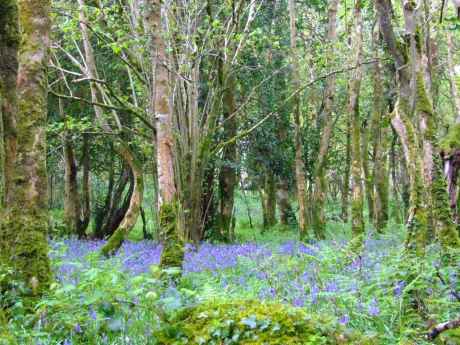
{"x": 252, "y": 322}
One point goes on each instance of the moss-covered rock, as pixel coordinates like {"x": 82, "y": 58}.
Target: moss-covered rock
{"x": 253, "y": 323}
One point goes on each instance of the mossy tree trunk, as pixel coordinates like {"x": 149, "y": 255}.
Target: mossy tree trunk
{"x": 299, "y": 162}
{"x": 24, "y": 224}
{"x": 414, "y": 120}
{"x": 450, "y": 146}
{"x": 379, "y": 128}
{"x": 357, "y": 202}
{"x": 319, "y": 189}
{"x": 9, "y": 43}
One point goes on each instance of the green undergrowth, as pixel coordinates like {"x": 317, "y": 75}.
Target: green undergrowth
{"x": 252, "y": 322}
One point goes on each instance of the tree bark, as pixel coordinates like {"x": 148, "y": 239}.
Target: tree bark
{"x": 357, "y": 202}
{"x": 346, "y": 178}
{"x": 287, "y": 215}
{"x": 268, "y": 200}
{"x": 173, "y": 250}
{"x": 299, "y": 162}
{"x": 319, "y": 189}
{"x": 451, "y": 153}
{"x": 9, "y": 43}
{"x": 228, "y": 179}
{"x": 378, "y": 134}
{"x": 401, "y": 118}
{"x": 24, "y": 225}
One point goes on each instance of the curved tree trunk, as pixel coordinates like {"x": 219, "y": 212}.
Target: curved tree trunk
{"x": 132, "y": 214}
{"x": 122, "y": 148}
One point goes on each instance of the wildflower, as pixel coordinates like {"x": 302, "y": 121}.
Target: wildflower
{"x": 373, "y": 308}
{"x": 77, "y": 328}
{"x": 399, "y": 287}
{"x": 344, "y": 319}
{"x": 298, "y": 302}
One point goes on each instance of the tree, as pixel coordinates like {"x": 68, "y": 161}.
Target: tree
{"x": 357, "y": 220}
{"x": 24, "y": 224}
{"x": 299, "y": 163}
{"x": 327, "y": 120}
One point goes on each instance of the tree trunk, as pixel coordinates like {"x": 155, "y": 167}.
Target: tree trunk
{"x": 71, "y": 195}
{"x": 450, "y": 148}
{"x": 287, "y": 215}
{"x": 319, "y": 189}
{"x": 173, "y": 250}
{"x": 268, "y": 200}
{"x": 357, "y": 202}
{"x": 378, "y": 134}
{"x": 129, "y": 220}
{"x": 228, "y": 174}
{"x": 9, "y": 42}
{"x": 299, "y": 162}
{"x": 402, "y": 123}
{"x": 346, "y": 177}
{"x": 23, "y": 233}
{"x": 121, "y": 147}
{"x": 368, "y": 176}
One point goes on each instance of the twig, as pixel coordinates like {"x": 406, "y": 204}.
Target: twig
{"x": 445, "y": 326}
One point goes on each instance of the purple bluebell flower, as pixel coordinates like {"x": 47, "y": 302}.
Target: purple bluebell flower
{"x": 77, "y": 328}
{"x": 399, "y": 287}
{"x": 373, "y": 308}
{"x": 344, "y": 319}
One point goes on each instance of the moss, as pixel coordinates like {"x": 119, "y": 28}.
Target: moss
{"x": 173, "y": 245}
{"x": 252, "y": 323}
{"x": 24, "y": 250}
{"x": 357, "y": 216}
{"x": 318, "y": 222}
{"x": 417, "y": 234}
{"x": 446, "y": 231}
{"x": 425, "y": 107}
{"x": 114, "y": 243}
{"x": 451, "y": 142}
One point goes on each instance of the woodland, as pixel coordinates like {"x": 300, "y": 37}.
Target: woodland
{"x": 229, "y": 172}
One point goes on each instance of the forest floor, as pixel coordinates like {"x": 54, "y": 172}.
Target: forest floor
{"x": 110, "y": 301}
